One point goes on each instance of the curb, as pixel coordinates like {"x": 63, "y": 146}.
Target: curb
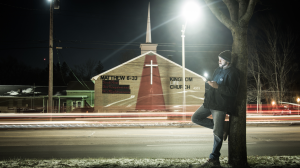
{"x": 127, "y": 125}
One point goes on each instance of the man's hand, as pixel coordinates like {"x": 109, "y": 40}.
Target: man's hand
{"x": 213, "y": 84}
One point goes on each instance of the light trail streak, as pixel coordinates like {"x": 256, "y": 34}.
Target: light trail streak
{"x": 131, "y": 97}
{"x": 137, "y": 118}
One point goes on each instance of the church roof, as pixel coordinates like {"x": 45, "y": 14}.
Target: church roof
{"x": 147, "y": 53}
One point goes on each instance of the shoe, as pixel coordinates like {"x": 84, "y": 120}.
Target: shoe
{"x": 211, "y": 163}
{"x": 225, "y": 130}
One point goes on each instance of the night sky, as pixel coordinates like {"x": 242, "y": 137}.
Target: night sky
{"x": 104, "y": 29}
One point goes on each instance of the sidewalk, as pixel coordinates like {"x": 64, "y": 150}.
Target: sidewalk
{"x": 121, "y": 124}
{"x": 253, "y": 161}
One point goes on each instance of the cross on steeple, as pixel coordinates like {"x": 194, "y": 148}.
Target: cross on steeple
{"x": 151, "y": 65}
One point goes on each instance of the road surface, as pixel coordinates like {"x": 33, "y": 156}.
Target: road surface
{"x": 140, "y": 143}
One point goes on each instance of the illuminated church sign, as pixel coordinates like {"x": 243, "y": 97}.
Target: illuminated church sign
{"x": 113, "y": 87}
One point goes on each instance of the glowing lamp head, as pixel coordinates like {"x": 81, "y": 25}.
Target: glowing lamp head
{"x": 191, "y": 11}
{"x": 273, "y": 103}
{"x": 298, "y": 100}
{"x": 206, "y": 75}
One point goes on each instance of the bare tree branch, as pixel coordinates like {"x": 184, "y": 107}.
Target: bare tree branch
{"x": 247, "y": 16}
{"x": 276, "y": 53}
{"x": 254, "y": 92}
{"x": 251, "y": 93}
{"x": 243, "y": 4}
{"x": 233, "y": 9}
{"x": 262, "y": 10}
{"x": 85, "y": 70}
{"x": 219, "y": 14}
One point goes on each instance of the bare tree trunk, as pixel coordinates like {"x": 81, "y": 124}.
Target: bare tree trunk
{"x": 260, "y": 95}
{"x": 277, "y": 87}
{"x": 237, "y": 138}
{"x": 240, "y": 13}
{"x": 258, "y": 92}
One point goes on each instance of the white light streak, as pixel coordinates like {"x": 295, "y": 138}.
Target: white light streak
{"x": 132, "y": 96}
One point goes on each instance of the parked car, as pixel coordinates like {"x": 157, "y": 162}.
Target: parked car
{"x": 286, "y": 112}
{"x": 282, "y": 110}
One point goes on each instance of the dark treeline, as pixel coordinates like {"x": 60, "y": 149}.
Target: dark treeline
{"x": 14, "y": 72}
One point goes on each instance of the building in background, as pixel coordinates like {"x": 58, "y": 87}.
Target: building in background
{"x": 78, "y": 96}
{"x": 148, "y": 82}
{"x": 26, "y": 98}
{"x": 132, "y": 87}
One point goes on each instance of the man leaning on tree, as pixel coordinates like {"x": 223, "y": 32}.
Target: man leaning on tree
{"x": 220, "y": 95}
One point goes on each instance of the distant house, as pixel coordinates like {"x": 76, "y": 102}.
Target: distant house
{"x": 80, "y": 96}
{"x": 76, "y": 97}
{"x": 26, "y": 98}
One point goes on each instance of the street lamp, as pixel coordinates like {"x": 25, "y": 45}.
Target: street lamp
{"x": 205, "y": 75}
{"x": 298, "y": 100}
{"x": 273, "y": 103}
{"x": 190, "y": 12}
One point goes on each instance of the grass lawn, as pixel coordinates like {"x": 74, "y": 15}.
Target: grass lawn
{"x": 253, "y": 161}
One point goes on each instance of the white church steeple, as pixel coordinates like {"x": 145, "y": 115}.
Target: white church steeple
{"x": 148, "y": 46}
{"x": 148, "y": 32}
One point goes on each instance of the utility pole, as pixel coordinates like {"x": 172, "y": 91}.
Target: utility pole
{"x": 50, "y": 86}
{"x": 54, "y": 3}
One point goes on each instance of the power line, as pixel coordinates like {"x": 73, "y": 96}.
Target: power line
{"x": 113, "y": 43}
{"x": 73, "y": 74}
{"x": 81, "y": 48}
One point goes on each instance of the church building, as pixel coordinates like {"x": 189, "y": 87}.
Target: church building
{"x": 148, "y": 82}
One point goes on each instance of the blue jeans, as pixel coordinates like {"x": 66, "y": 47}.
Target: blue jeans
{"x": 217, "y": 124}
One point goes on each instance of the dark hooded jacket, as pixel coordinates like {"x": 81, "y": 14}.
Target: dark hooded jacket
{"x": 223, "y": 98}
